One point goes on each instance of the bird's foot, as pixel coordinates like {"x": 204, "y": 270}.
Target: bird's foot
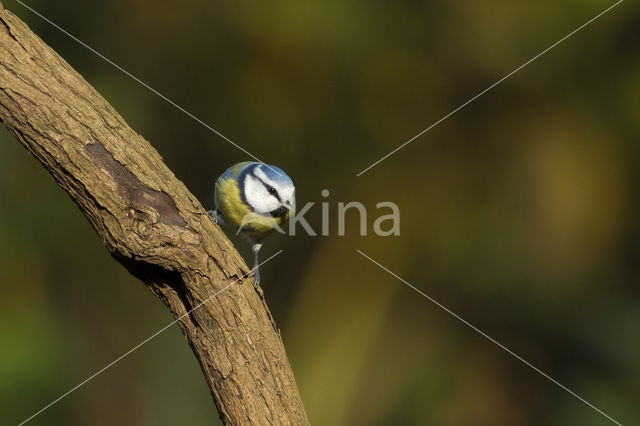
{"x": 255, "y": 273}
{"x": 214, "y": 215}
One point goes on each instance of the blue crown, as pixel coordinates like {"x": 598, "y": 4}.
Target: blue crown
{"x": 274, "y": 173}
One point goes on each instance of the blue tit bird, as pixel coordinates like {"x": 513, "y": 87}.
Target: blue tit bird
{"x": 256, "y": 199}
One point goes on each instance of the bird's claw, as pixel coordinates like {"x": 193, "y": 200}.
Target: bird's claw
{"x": 214, "y": 215}
{"x": 255, "y": 273}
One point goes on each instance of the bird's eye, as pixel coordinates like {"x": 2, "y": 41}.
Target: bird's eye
{"x": 272, "y": 190}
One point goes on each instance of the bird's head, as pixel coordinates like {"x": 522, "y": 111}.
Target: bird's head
{"x": 267, "y": 190}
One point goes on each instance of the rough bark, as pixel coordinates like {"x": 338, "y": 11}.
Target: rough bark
{"x": 150, "y": 223}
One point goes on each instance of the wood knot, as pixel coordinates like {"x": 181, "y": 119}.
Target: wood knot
{"x": 140, "y": 222}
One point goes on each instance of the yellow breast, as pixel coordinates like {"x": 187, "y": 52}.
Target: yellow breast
{"x": 229, "y": 203}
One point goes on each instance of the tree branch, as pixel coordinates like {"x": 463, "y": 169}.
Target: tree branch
{"x": 150, "y": 223}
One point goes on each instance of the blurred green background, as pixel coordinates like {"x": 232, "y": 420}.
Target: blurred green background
{"x": 519, "y": 213}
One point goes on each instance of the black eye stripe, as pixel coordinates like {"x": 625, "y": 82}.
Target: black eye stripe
{"x": 270, "y": 189}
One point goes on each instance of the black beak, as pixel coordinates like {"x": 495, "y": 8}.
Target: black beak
{"x": 279, "y": 212}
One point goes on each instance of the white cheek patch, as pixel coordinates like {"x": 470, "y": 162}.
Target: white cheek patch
{"x": 257, "y": 196}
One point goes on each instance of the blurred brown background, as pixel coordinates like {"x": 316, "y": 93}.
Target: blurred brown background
{"x": 519, "y": 213}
